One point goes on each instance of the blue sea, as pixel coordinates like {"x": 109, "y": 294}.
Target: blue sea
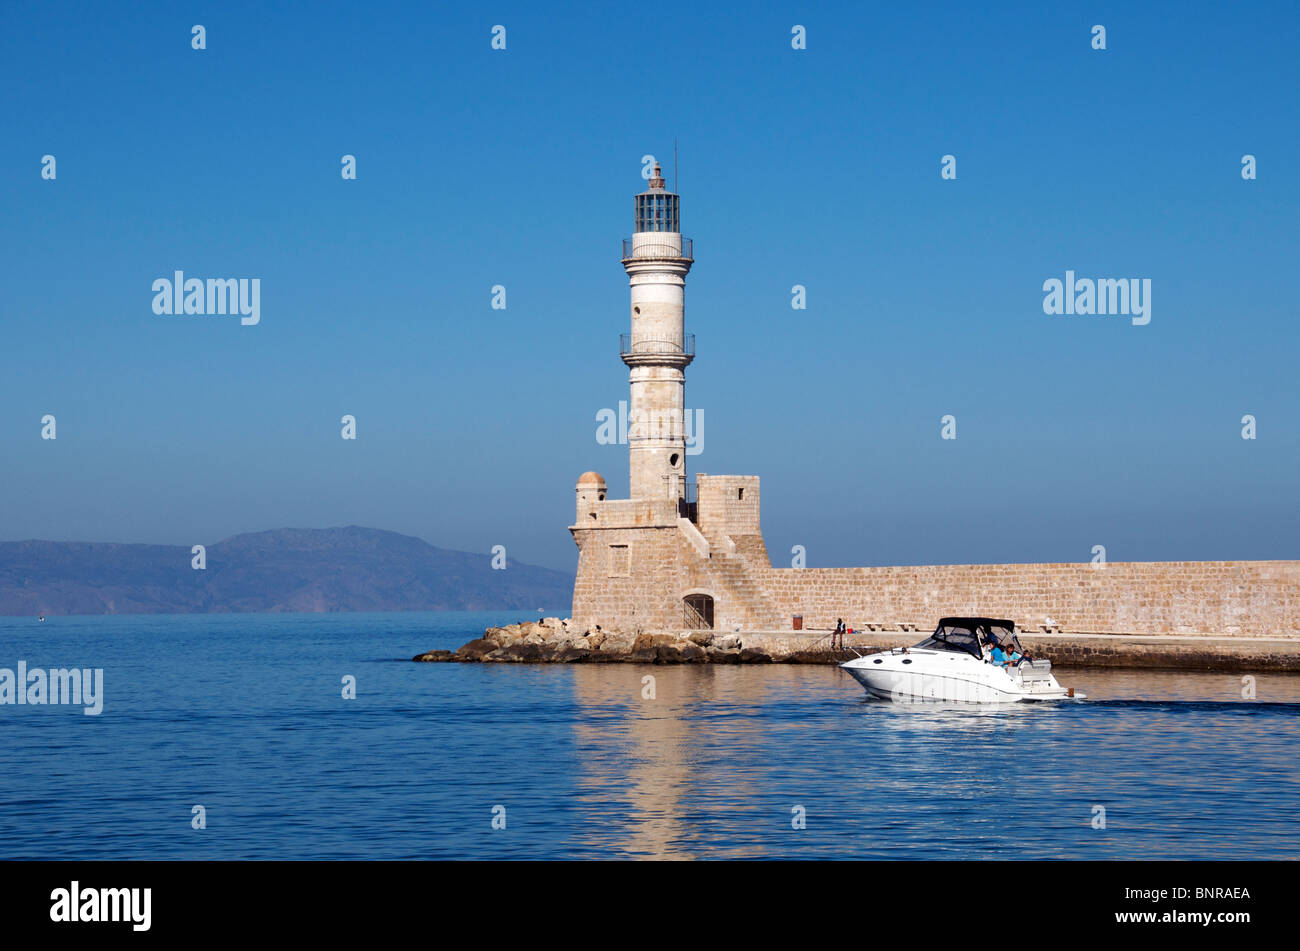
{"x": 244, "y": 715}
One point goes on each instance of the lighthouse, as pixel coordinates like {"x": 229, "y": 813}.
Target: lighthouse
{"x": 672, "y": 555}
{"x": 657, "y": 351}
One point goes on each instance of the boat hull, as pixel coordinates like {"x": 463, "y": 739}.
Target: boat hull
{"x": 942, "y": 677}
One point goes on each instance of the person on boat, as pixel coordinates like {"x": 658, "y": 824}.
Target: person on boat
{"x": 998, "y": 656}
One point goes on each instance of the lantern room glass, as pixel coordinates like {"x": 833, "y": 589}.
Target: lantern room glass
{"x": 657, "y": 211}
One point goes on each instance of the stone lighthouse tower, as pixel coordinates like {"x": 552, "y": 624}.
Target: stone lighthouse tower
{"x": 657, "y": 351}
{"x": 664, "y": 558}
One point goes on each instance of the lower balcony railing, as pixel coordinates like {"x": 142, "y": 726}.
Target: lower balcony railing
{"x": 631, "y": 345}
{"x": 650, "y": 250}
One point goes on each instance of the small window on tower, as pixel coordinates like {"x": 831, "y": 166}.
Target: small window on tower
{"x": 619, "y": 561}
{"x": 740, "y": 493}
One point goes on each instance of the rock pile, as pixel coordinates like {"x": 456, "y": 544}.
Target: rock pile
{"x": 555, "y": 641}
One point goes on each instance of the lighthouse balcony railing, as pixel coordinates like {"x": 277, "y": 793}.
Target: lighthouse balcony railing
{"x": 632, "y": 345}
{"x": 647, "y": 249}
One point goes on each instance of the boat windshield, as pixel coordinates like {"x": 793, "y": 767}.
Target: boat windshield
{"x": 965, "y": 636}
{"x": 1004, "y": 638}
{"x": 953, "y": 637}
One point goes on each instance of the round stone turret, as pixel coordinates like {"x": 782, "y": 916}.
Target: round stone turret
{"x": 591, "y": 492}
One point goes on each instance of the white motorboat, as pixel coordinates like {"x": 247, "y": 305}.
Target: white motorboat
{"x": 956, "y": 664}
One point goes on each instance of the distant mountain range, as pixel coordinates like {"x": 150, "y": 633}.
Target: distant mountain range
{"x": 289, "y": 569}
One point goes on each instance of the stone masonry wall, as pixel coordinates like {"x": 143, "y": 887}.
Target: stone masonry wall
{"x": 728, "y": 505}
{"x": 1223, "y": 598}
{"x": 633, "y": 589}
{"x": 1192, "y": 597}
{"x": 635, "y": 579}
{"x": 637, "y": 563}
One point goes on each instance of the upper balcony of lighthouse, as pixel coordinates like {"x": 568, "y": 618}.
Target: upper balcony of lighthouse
{"x": 658, "y": 235}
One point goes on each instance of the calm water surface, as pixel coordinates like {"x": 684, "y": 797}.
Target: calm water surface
{"x": 243, "y": 714}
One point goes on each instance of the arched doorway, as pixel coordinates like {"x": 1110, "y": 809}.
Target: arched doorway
{"x": 698, "y": 611}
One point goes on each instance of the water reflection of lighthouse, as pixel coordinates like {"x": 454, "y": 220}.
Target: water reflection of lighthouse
{"x": 657, "y": 778}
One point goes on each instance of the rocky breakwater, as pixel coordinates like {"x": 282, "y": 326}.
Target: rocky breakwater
{"x": 556, "y": 641}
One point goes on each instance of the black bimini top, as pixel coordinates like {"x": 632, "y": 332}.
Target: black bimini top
{"x": 965, "y": 634}
{"x": 974, "y": 622}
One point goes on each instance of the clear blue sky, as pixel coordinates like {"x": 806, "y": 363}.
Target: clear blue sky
{"x": 817, "y": 167}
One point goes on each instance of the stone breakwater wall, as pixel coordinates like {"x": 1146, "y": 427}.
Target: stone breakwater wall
{"x": 554, "y": 640}
{"x": 1216, "y": 598}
